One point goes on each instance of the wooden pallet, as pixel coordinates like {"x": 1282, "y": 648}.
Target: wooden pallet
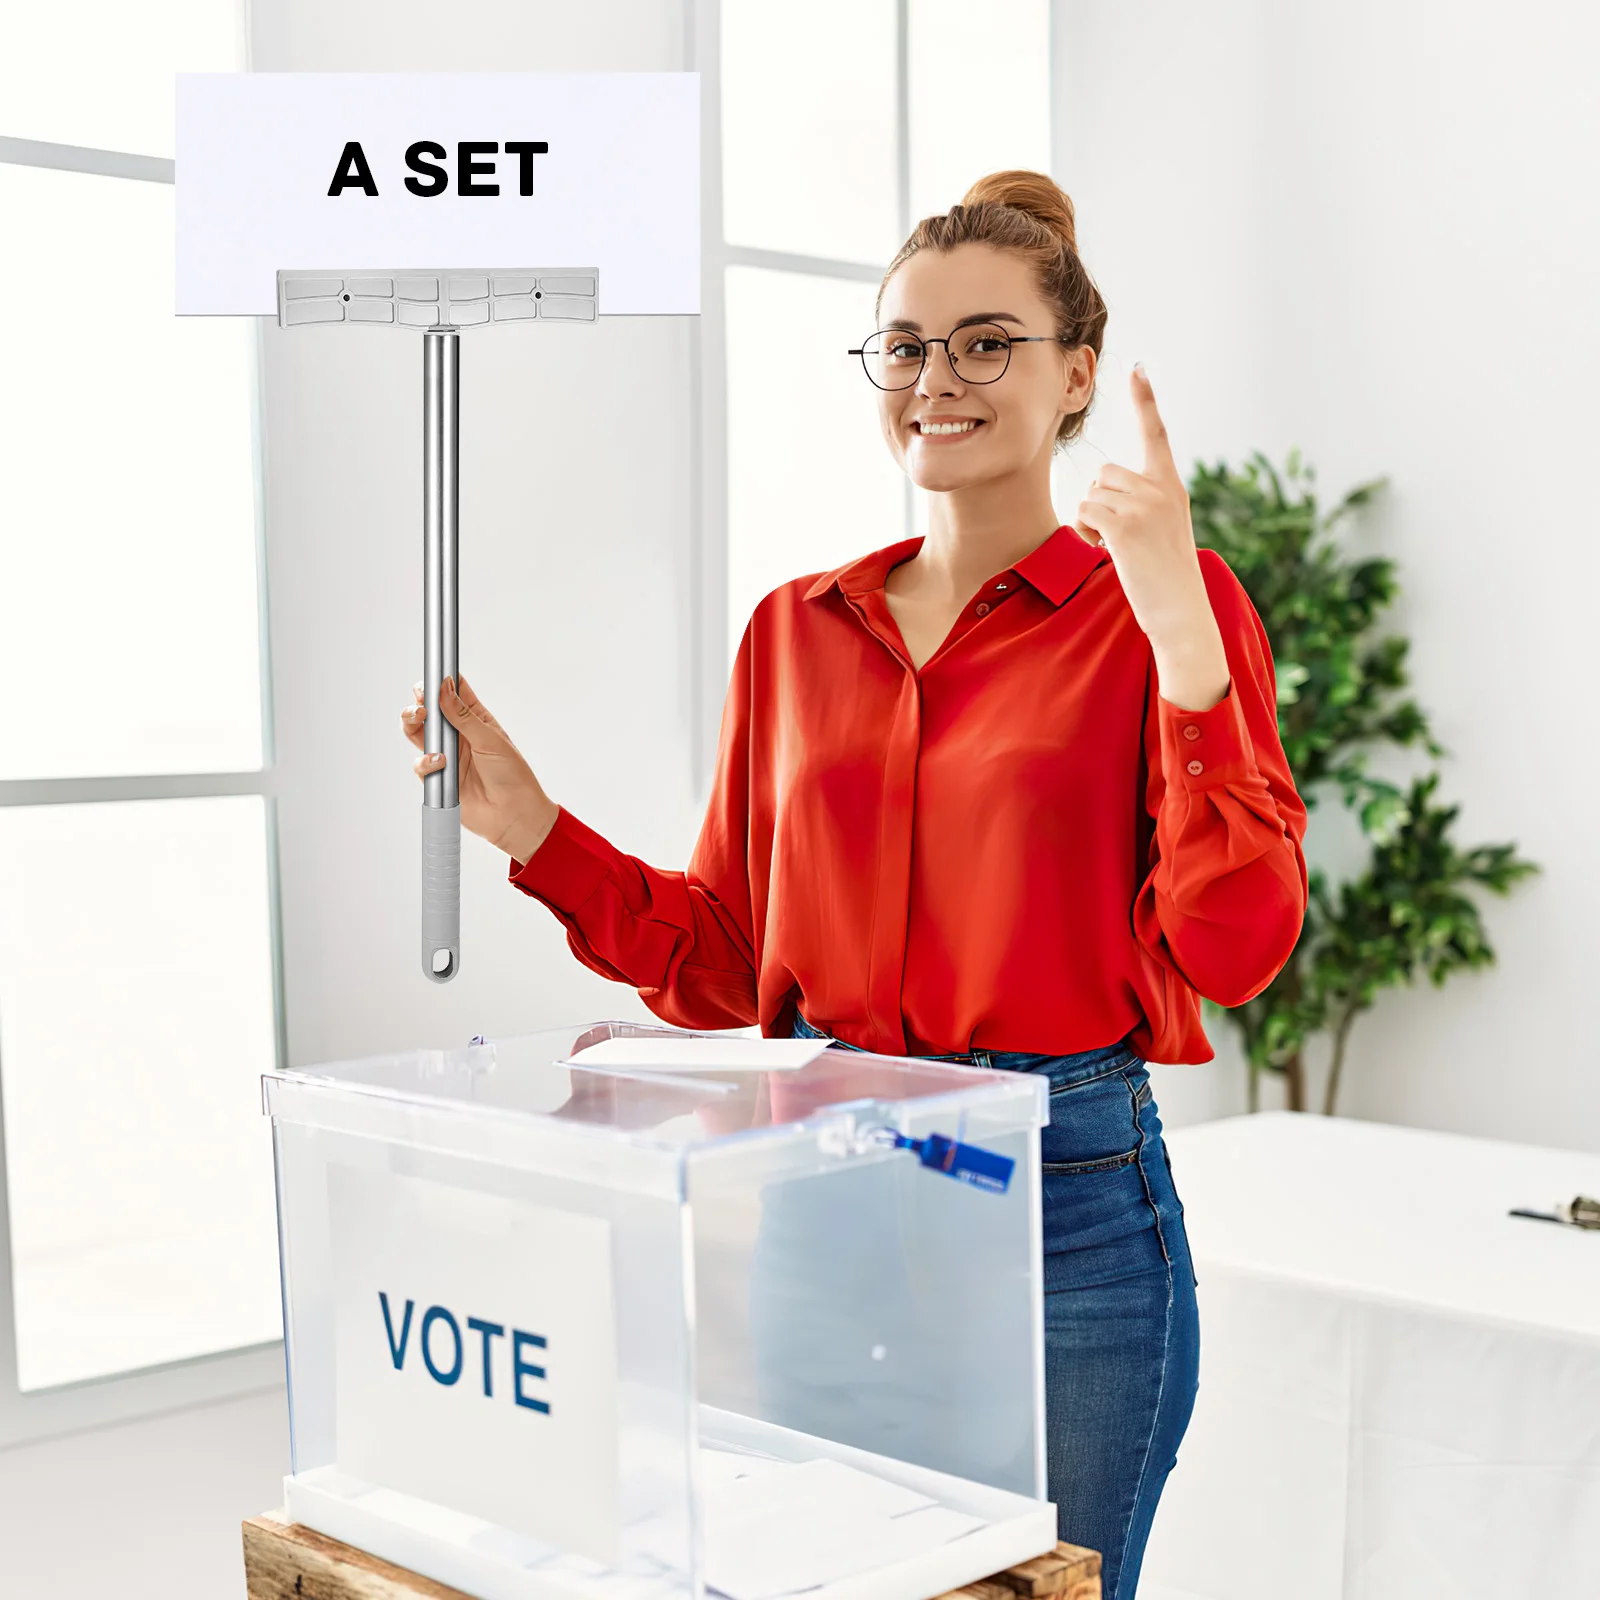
{"x": 283, "y": 1561}
{"x": 1069, "y": 1572}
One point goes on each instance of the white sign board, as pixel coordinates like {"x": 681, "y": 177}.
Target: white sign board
{"x": 476, "y": 1355}
{"x": 305, "y": 171}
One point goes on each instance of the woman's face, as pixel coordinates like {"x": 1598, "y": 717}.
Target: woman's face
{"x": 1016, "y": 416}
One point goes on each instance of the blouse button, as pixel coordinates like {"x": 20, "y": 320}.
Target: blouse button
{"x": 983, "y": 608}
{"x": 1196, "y": 768}
{"x": 1190, "y": 731}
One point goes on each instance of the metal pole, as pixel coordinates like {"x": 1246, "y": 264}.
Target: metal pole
{"x": 441, "y": 806}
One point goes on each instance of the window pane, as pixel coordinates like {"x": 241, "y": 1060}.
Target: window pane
{"x": 810, "y": 481}
{"x": 128, "y": 591}
{"x": 980, "y": 95}
{"x": 136, "y": 1019}
{"x": 808, "y": 128}
{"x": 99, "y": 72}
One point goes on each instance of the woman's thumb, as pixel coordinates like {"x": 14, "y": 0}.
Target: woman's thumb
{"x": 463, "y": 717}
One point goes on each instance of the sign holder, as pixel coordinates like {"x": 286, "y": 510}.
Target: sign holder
{"x": 413, "y": 201}
{"x": 440, "y": 304}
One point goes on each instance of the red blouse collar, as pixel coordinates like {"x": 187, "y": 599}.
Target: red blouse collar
{"x": 1055, "y": 568}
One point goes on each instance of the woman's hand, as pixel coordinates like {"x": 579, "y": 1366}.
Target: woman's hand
{"x": 1142, "y": 519}
{"x": 501, "y": 800}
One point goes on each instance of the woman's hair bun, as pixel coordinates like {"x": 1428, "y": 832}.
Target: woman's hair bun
{"x": 1037, "y": 193}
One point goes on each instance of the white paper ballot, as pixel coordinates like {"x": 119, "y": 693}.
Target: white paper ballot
{"x": 801, "y": 1491}
{"x": 776, "y": 1528}
{"x": 689, "y": 1054}
{"x": 718, "y": 1467}
{"x": 805, "y": 1524}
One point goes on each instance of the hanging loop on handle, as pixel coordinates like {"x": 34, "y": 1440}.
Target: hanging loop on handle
{"x": 441, "y": 892}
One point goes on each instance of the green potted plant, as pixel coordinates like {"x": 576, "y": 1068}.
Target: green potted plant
{"x": 1341, "y": 698}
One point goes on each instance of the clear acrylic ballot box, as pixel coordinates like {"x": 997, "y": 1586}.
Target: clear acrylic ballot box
{"x": 664, "y": 1322}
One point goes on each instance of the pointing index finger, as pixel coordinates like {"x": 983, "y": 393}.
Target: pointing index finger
{"x": 1158, "y": 461}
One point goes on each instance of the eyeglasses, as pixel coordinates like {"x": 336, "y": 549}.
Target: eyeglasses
{"x": 979, "y": 353}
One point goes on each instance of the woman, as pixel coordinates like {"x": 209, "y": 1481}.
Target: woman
{"x": 1012, "y": 793}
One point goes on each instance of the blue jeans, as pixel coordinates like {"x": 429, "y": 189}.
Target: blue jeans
{"x": 1121, "y": 1327}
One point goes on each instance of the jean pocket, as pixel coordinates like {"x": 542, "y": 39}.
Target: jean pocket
{"x": 1097, "y": 1164}
{"x": 1101, "y": 1211}
{"x": 1094, "y": 1126}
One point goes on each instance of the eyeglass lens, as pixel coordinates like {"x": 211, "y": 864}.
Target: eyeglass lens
{"x": 979, "y": 353}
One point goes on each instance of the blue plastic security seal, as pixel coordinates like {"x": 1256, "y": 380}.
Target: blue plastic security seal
{"x": 970, "y": 1163}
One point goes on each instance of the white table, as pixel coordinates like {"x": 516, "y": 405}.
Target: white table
{"x": 1399, "y": 1384}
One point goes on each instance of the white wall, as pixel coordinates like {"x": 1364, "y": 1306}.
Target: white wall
{"x": 1370, "y": 230}
{"x": 575, "y": 613}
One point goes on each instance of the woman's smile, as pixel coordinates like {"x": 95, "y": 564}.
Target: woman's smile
{"x": 946, "y": 428}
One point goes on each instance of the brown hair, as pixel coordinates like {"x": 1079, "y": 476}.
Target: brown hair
{"x": 1027, "y": 212}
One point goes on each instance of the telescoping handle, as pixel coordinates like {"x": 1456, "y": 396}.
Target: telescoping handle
{"x": 441, "y": 803}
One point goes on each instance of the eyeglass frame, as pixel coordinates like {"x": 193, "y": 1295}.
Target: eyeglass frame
{"x": 980, "y": 322}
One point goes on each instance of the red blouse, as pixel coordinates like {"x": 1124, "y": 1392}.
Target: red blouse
{"x": 1020, "y": 847}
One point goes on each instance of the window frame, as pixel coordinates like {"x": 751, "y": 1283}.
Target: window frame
{"x": 709, "y": 665}
{"x": 120, "y": 1397}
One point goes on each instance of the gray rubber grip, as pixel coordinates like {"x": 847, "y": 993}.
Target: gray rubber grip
{"x": 441, "y": 889}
